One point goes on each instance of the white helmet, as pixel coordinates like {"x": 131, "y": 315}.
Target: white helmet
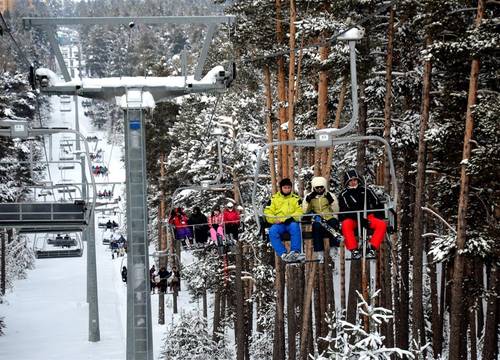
{"x": 229, "y": 205}
{"x": 319, "y": 181}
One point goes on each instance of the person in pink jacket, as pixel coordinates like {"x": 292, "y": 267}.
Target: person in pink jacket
{"x": 216, "y": 223}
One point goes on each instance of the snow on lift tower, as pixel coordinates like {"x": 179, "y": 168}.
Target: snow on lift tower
{"x": 135, "y": 95}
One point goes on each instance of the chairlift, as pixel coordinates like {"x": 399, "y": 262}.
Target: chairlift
{"x": 37, "y": 217}
{"x": 66, "y": 166}
{"x": 58, "y": 246}
{"x": 334, "y": 138}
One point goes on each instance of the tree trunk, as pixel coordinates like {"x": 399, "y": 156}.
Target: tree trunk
{"x": 217, "y": 317}
{"x": 417, "y": 306}
{"x": 269, "y": 124}
{"x": 385, "y": 259}
{"x": 402, "y": 310}
{"x": 306, "y": 317}
{"x": 279, "y": 323}
{"x": 456, "y": 315}
{"x": 162, "y": 239}
{"x": 291, "y": 291}
{"x": 239, "y": 326}
{"x": 321, "y": 155}
{"x": 436, "y": 325}
{"x": 361, "y": 149}
{"x": 282, "y": 98}
{"x": 291, "y": 89}
{"x": 205, "y": 303}
{"x": 490, "y": 350}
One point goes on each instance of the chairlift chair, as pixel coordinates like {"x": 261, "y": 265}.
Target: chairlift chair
{"x": 327, "y": 138}
{"x": 66, "y": 166}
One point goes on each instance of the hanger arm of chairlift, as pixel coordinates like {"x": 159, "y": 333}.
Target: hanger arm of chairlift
{"x": 314, "y": 143}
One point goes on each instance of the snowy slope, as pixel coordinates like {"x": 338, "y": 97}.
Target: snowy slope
{"x": 47, "y": 313}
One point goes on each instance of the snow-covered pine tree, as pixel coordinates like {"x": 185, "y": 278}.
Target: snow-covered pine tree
{"x": 350, "y": 340}
{"x": 190, "y": 338}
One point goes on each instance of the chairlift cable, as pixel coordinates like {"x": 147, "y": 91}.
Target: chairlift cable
{"x": 6, "y": 28}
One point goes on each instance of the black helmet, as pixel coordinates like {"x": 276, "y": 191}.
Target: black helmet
{"x": 349, "y": 175}
{"x": 285, "y": 182}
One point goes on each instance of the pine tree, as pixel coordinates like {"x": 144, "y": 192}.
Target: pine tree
{"x": 190, "y": 339}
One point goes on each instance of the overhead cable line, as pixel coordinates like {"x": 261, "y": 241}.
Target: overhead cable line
{"x": 5, "y": 28}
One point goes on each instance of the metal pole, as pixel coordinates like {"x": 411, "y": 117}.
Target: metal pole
{"x": 2, "y": 263}
{"x": 139, "y": 327}
{"x": 94, "y": 333}
{"x": 92, "y": 298}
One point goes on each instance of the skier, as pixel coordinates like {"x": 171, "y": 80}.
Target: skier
{"x": 231, "y": 220}
{"x": 324, "y": 205}
{"x": 353, "y": 199}
{"x": 283, "y": 212}
{"x": 124, "y": 274}
{"x": 199, "y": 223}
{"x": 216, "y": 223}
{"x": 152, "y": 275}
{"x": 164, "y": 275}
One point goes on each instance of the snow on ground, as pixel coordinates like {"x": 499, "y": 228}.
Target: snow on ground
{"x": 47, "y": 313}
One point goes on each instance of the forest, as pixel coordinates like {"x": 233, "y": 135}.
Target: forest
{"x": 427, "y": 75}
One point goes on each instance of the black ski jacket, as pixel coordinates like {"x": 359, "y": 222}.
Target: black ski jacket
{"x": 354, "y": 200}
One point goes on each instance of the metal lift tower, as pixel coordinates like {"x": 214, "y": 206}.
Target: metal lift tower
{"x": 136, "y": 95}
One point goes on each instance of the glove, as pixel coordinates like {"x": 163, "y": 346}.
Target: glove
{"x": 288, "y": 221}
{"x": 329, "y": 197}
{"x": 365, "y": 223}
{"x": 310, "y": 197}
{"x": 317, "y": 218}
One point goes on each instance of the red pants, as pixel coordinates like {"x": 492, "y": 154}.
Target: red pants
{"x": 349, "y": 226}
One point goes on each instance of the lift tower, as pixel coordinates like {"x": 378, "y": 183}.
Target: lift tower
{"x": 135, "y": 96}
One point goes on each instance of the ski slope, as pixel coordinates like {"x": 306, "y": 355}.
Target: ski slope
{"x": 47, "y": 313}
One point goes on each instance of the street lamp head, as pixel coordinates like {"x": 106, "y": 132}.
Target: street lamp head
{"x": 353, "y": 34}
{"x": 217, "y": 132}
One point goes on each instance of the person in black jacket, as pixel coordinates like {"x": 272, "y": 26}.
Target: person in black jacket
{"x": 353, "y": 199}
{"x": 124, "y": 274}
{"x": 199, "y": 224}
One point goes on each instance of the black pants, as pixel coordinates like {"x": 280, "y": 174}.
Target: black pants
{"x": 232, "y": 229}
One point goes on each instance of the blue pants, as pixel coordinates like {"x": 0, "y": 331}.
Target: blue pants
{"x": 277, "y": 230}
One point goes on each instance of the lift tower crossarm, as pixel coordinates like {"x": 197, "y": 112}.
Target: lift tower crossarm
{"x": 29, "y": 22}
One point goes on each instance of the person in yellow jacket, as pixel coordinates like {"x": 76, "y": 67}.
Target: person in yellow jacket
{"x": 283, "y": 212}
{"x": 324, "y": 206}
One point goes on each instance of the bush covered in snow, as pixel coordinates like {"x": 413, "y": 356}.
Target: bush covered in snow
{"x": 190, "y": 339}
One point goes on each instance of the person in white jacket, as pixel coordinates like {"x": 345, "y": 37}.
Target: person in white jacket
{"x": 323, "y": 206}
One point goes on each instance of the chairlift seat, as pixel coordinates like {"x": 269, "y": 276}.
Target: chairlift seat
{"x": 47, "y": 254}
{"x": 45, "y": 215}
{"x": 66, "y": 167}
{"x": 65, "y": 191}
